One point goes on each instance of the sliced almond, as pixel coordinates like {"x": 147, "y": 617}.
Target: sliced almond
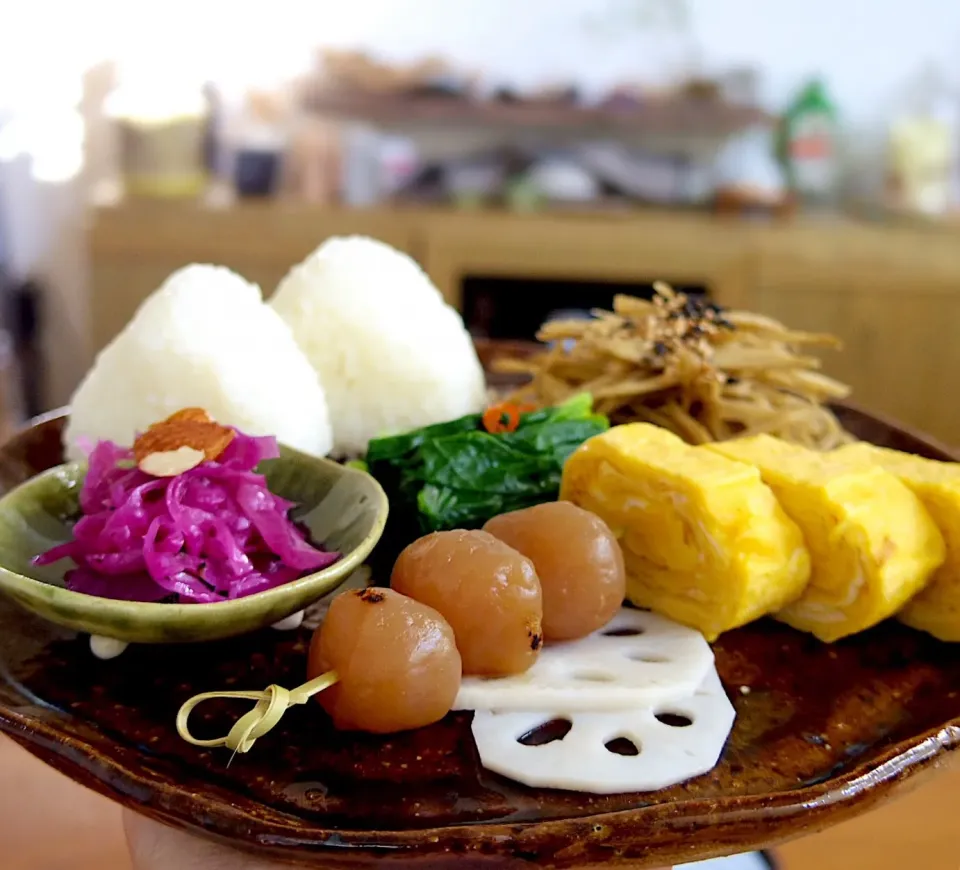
{"x": 190, "y": 415}
{"x": 190, "y": 427}
{"x": 170, "y": 463}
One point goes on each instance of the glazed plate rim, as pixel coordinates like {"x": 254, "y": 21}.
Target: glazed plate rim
{"x": 782, "y": 813}
{"x": 679, "y": 831}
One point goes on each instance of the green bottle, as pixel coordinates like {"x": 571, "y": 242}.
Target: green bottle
{"x": 808, "y": 146}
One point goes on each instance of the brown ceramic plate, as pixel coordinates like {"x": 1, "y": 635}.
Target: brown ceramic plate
{"x": 822, "y": 733}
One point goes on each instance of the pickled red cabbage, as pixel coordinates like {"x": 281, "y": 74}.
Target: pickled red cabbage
{"x": 213, "y": 533}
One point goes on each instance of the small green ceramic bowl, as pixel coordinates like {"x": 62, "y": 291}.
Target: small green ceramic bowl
{"x": 344, "y": 509}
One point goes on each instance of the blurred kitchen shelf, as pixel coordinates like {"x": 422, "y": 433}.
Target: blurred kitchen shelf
{"x": 889, "y": 292}
{"x": 657, "y": 116}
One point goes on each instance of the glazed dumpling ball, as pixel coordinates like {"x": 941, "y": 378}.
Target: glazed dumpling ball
{"x": 396, "y": 662}
{"x": 487, "y": 591}
{"x": 578, "y": 561}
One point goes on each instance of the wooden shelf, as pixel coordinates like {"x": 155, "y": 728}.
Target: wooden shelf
{"x": 661, "y": 117}
{"x": 889, "y": 293}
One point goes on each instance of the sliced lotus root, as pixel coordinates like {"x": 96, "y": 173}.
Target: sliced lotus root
{"x": 643, "y": 749}
{"x": 638, "y": 659}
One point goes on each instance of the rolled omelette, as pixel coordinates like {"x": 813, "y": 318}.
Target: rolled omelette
{"x": 873, "y": 545}
{"x": 936, "y": 609}
{"x": 704, "y": 540}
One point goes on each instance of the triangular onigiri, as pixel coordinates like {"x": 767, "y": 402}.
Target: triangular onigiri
{"x": 392, "y": 355}
{"x": 203, "y": 339}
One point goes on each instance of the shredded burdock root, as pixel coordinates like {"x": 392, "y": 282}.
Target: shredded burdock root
{"x": 686, "y": 364}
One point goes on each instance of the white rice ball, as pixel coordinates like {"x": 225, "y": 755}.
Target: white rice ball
{"x": 204, "y": 339}
{"x": 391, "y": 354}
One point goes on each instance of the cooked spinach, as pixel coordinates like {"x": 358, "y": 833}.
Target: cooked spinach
{"x": 458, "y": 475}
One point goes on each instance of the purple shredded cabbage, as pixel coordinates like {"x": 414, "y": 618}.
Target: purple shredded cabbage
{"x": 215, "y": 532}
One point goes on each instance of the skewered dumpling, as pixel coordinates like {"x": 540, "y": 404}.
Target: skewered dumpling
{"x": 937, "y": 484}
{"x": 873, "y": 545}
{"x": 704, "y": 540}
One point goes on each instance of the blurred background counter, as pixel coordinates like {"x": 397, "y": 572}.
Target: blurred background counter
{"x": 890, "y": 292}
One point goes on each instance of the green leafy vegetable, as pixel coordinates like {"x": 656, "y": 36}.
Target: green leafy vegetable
{"x": 458, "y": 475}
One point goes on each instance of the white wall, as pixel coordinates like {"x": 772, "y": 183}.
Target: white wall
{"x": 866, "y": 49}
